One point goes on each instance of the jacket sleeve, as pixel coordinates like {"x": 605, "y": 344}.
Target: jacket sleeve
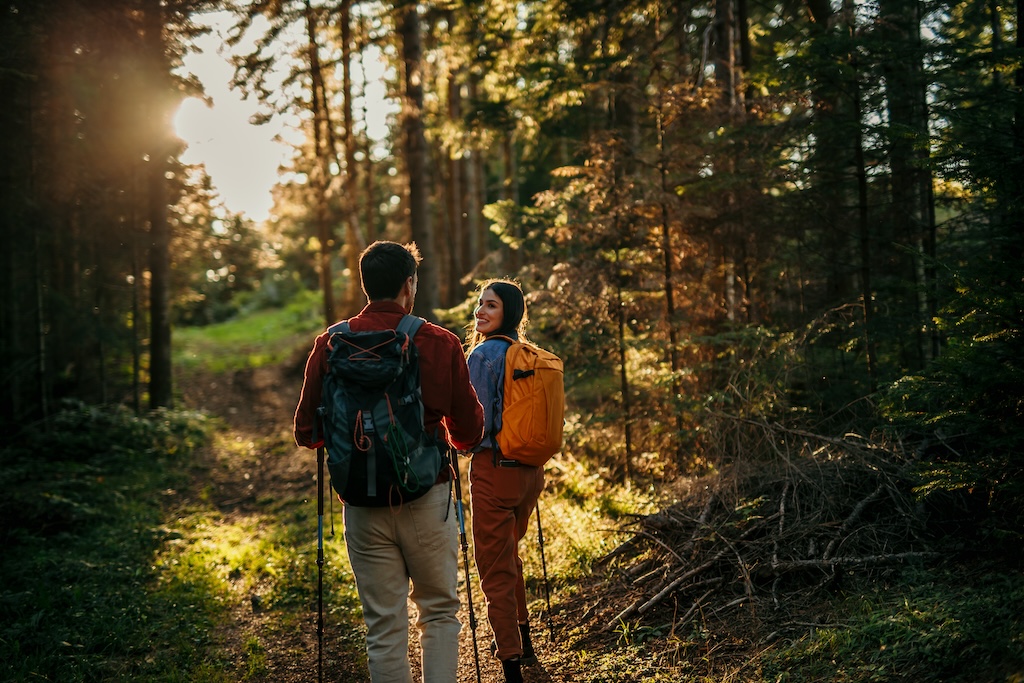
{"x": 465, "y": 423}
{"x": 306, "y": 420}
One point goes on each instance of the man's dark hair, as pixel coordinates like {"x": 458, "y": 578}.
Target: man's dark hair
{"x": 385, "y": 266}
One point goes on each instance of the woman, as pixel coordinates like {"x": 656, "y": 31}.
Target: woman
{"x": 503, "y": 492}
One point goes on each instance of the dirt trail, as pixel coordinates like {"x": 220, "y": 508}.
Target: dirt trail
{"x": 257, "y": 407}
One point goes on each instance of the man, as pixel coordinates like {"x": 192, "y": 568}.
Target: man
{"x": 401, "y": 541}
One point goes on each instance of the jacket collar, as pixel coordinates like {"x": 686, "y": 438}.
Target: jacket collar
{"x": 385, "y": 306}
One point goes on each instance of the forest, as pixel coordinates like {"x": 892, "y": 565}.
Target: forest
{"x": 777, "y": 244}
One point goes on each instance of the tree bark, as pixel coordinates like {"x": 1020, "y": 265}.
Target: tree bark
{"x": 415, "y": 144}
{"x": 321, "y": 169}
{"x": 354, "y": 237}
{"x": 627, "y": 408}
{"x": 160, "y": 371}
{"x": 911, "y": 178}
{"x": 476, "y": 192}
{"x": 368, "y": 206}
{"x": 454, "y": 192}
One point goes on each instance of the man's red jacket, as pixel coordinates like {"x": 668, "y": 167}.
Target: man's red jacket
{"x": 448, "y": 396}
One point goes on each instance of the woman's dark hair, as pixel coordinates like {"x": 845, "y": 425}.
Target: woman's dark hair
{"x": 385, "y": 266}
{"x": 513, "y": 306}
{"x": 514, "y": 318}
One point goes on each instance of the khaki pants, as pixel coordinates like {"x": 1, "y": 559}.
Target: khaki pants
{"x": 388, "y": 548}
{"x": 502, "y": 500}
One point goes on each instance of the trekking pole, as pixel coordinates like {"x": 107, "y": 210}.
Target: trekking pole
{"x": 320, "y": 564}
{"x": 460, "y": 514}
{"x": 544, "y": 569}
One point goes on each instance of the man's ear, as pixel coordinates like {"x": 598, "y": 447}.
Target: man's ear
{"x": 408, "y": 292}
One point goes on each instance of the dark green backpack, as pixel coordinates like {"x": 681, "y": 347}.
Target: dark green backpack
{"x": 372, "y": 411}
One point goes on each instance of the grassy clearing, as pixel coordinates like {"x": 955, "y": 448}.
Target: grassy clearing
{"x": 258, "y": 339}
{"x": 579, "y": 513}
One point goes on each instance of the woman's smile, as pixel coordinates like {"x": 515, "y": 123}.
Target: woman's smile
{"x": 489, "y": 313}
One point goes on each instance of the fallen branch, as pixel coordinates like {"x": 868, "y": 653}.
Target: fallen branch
{"x": 782, "y": 524}
{"x": 824, "y": 563}
{"x": 748, "y": 585}
{"x": 693, "y": 608}
{"x": 851, "y": 519}
{"x": 697, "y": 570}
{"x": 662, "y": 544}
{"x": 620, "y": 549}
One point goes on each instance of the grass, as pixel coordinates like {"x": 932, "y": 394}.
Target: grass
{"x": 579, "y": 515}
{"x": 261, "y": 338}
{"x": 82, "y": 520}
{"x": 934, "y": 625}
{"x": 111, "y": 573}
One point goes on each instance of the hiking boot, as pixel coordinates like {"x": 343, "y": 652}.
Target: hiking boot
{"x": 512, "y": 669}
{"x": 529, "y": 656}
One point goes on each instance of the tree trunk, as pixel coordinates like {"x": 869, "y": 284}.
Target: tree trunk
{"x": 668, "y": 256}
{"x": 354, "y": 238}
{"x": 510, "y": 192}
{"x": 321, "y": 169}
{"x": 458, "y": 260}
{"x": 160, "y": 377}
{"x": 864, "y": 233}
{"x": 369, "y": 206}
{"x": 911, "y": 178}
{"x": 476, "y": 193}
{"x": 1017, "y": 168}
{"x": 627, "y": 405}
{"x": 724, "y": 60}
{"x": 833, "y": 164}
{"x": 415, "y": 145}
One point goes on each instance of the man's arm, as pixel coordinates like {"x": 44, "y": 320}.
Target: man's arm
{"x": 466, "y": 422}
{"x": 309, "y": 400}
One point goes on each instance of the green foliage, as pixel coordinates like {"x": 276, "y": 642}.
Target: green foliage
{"x": 221, "y": 265}
{"x": 967, "y": 407}
{"x": 251, "y": 340}
{"x": 928, "y": 626}
{"x": 81, "y": 519}
{"x": 78, "y": 451}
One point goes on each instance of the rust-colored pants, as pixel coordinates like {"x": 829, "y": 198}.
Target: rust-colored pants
{"x": 502, "y": 500}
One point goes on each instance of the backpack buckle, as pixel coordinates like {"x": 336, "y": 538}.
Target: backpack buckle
{"x": 368, "y": 423}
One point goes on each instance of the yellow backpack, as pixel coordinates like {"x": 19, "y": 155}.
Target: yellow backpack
{"x": 533, "y": 408}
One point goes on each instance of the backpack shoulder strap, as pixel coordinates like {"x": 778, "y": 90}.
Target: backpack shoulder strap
{"x": 510, "y": 340}
{"x": 410, "y": 325}
{"x": 339, "y": 327}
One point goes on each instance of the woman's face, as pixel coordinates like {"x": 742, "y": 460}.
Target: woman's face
{"x": 489, "y": 313}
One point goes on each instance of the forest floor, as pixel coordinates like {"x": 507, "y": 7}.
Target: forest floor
{"x": 807, "y": 553}
{"x": 256, "y": 405}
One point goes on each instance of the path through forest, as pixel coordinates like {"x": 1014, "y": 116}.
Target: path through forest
{"x": 257, "y": 406}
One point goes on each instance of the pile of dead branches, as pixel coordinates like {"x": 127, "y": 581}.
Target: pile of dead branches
{"x": 768, "y": 533}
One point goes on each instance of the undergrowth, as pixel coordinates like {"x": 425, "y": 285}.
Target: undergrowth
{"x": 949, "y": 624}
{"x": 81, "y": 503}
{"x": 112, "y": 571}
